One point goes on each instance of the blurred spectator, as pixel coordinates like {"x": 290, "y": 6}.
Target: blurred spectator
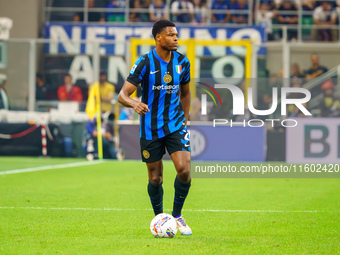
{"x": 292, "y": 109}
{"x": 296, "y": 73}
{"x": 315, "y": 70}
{"x": 308, "y": 5}
{"x": 337, "y": 8}
{"x": 158, "y": 10}
{"x": 240, "y": 5}
{"x": 277, "y": 3}
{"x": 271, "y": 3}
{"x": 41, "y": 88}
{"x": 77, "y": 17}
{"x": 144, "y": 15}
{"x": 333, "y": 3}
{"x": 182, "y": 10}
{"x": 297, "y": 83}
{"x": 116, "y": 16}
{"x": 323, "y": 15}
{"x": 337, "y": 13}
{"x": 109, "y": 151}
{"x": 265, "y": 92}
{"x": 264, "y": 18}
{"x": 220, "y": 5}
{"x": 329, "y": 104}
{"x": 200, "y": 11}
{"x": 290, "y": 18}
{"x": 106, "y": 91}
{"x": 68, "y": 91}
{"x": 4, "y": 103}
{"x": 92, "y": 16}
{"x": 133, "y": 16}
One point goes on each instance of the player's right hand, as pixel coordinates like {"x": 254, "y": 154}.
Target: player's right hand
{"x": 141, "y": 108}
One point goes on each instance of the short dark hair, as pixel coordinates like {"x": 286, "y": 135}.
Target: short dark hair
{"x": 160, "y": 25}
{"x": 40, "y": 76}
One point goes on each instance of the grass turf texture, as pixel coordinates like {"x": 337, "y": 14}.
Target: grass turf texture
{"x": 53, "y": 227}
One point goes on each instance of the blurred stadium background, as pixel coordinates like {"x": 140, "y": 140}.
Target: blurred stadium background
{"x": 292, "y": 43}
{"x": 53, "y": 51}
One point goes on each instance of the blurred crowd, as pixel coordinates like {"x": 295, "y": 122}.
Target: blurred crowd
{"x": 327, "y": 104}
{"x": 322, "y": 16}
{"x": 319, "y": 18}
{"x": 68, "y": 91}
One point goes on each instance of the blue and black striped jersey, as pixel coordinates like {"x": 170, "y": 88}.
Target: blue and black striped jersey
{"x": 160, "y": 82}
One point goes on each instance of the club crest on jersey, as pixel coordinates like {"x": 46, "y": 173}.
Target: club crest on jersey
{"x": 178, "y": 69}
{"x": 146, "y": 154}
{"x": 167, "y": 78}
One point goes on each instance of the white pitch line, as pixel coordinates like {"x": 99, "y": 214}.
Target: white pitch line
{"x": 50, "y": 167}
{"x": 188, "y": 210}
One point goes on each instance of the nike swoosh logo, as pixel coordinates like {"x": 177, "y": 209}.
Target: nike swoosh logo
{"x": 154, "y": 72}
{"x": 186, "y": 145}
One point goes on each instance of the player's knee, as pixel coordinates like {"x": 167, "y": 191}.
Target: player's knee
{"x": 183, "y": 174}
{"x": 156, "y": 179}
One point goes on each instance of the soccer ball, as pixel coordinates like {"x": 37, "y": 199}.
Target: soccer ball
{"x": 163, "y": 225}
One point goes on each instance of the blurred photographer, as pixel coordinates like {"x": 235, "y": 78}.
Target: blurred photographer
{"x": 109, "y": 150}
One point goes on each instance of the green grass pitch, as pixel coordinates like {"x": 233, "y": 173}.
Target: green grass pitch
{"x": 62, "y": 211}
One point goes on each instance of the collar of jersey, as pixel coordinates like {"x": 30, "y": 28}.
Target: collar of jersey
{"x": 159, "y": 58}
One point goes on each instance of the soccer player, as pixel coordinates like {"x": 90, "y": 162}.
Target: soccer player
{"x": 164, "y": 75}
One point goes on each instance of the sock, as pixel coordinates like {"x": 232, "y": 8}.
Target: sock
{"x": 156, "y": 197}
{"x": 181, "y": 192}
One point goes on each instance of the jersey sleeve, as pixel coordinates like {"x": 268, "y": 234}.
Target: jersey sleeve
{"x": 185, "y": 77}
{"x": 137, "y": 72}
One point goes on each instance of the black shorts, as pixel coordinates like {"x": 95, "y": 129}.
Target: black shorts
{"x": 153, "y": 150}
